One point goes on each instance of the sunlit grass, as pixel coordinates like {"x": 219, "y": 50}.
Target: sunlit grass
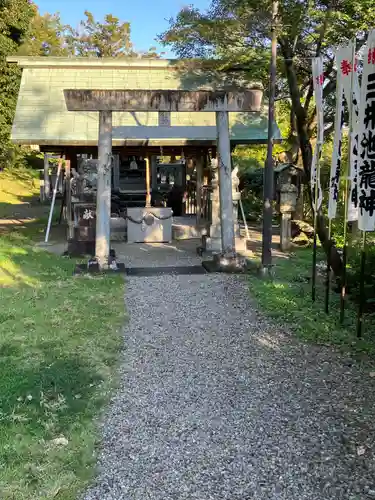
{"x": 16, "y": 187}
{"x": 287, "y": 299}
{"x": 59, "y": 345}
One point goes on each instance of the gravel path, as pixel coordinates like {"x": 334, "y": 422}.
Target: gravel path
{"x": 215, "y": 403}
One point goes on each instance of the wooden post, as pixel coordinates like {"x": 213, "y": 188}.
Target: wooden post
{"x": 199, "y": 168}
{"x": 116, "y": 172}
{"x": 52, "y": 204}
{"x": 103, "y": 200}
{"x": 225, "y": 183}
{"x": 148, "y": 181}
{"x": 268, "y": 172}
{"x": 41, "y": 186}
{"x": 68, "y": 194}
{"x": 46, "y": 189}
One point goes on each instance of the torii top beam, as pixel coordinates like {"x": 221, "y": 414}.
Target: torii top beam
{"x": 238, "y": 100}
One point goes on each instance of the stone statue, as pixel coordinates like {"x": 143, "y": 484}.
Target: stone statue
{"x": 235, "y": 180}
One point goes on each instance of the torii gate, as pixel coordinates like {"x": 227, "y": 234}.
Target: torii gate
{"x": 106, "y": 101}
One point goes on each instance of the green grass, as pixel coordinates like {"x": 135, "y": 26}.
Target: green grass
{"x": 287, "y": 299}
{"x": 17, "y": 187}
{"x": 59, "y": 346}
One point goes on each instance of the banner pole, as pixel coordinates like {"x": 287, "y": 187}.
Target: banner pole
{"x": 344, "y": 254}
{"x": 315, "y": 208}
{"x": 362, "y": 297}
{"x": 328, "y": 269}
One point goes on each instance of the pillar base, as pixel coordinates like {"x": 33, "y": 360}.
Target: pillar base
{"x": 225, "y": 263}
{"x": 285, "y": 232}
{"x": 92, "y": 267}
{"x": 213, "y": 245}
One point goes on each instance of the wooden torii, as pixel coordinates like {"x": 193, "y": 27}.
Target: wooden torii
{"x": 107, "y": 101}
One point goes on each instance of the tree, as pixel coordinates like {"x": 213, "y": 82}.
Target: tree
{"x": 46, "y": 37}
{"x": 15, "y": 18}
{"x": 108, "y": 39}
{"x": 235, "y": 34}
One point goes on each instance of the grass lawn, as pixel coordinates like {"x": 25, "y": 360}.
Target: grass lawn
{"x": 60, "y": 339}
{"x": 287, "y": 299}
{"x": 17, "y": 188}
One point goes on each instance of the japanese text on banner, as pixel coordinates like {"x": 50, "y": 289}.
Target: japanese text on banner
{"x": 366, "y": 141}
{"x": 318, "y": 80}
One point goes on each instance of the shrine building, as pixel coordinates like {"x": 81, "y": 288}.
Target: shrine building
{"x": 152, "y": 151}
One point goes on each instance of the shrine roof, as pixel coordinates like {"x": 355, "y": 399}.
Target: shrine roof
{"x": 42, "y": 117}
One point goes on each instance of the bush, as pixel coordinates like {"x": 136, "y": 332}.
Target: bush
{"x": 354, "y": 274}
{"x": 251, "y": 187}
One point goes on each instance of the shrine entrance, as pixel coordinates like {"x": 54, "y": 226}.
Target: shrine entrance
{"x": 106, "y": 101}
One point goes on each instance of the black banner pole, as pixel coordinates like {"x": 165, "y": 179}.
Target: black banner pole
{"x": 328, "y": 269}
{"x": 362, "y": 295}
{"x": 315, "y": 208}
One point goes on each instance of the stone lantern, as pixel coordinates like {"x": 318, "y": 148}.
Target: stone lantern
{"x": 288, "y": 189}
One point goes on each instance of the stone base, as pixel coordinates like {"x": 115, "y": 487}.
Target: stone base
{"x": 94, "y": 269}
{"x": 80, "y": 248}
{"x": 232, "y": 264}
{"x": 213, "y": 244}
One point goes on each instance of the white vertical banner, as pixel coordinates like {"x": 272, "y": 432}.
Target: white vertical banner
{"x": 334, "y": 179}
{"x": 352, "y": 214}
{"x": 345, "y": 64}
{"x": 366, "y": 140}
{"x": 353, "y": 194}
{"x": 347, "y": 85}
{"x": 318, "y": 80}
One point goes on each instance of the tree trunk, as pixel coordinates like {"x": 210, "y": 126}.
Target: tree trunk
{"x": 306, "y": 153}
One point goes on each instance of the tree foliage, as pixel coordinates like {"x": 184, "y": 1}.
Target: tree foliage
{"x": 46, "y": 37}
{"x": 15, "y": 18}
{"x": 110, "y": 38}
{"x": 236, "y": 34}
{"x": 24, "y": 31}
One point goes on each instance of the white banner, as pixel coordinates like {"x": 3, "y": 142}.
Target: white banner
{"x": 348, "y": 84}
{"x": 346, "y": 61}
{"x": 353, "y": 194}
{"x": 366, "y": 141}
{"x": 334, "y": 180}
{"x": 318, "y": 80}
{"x": 315, "y": 177}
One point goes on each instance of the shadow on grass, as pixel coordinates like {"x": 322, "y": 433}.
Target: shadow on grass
{"x": 287, "y": 299}
{"x": 46, "y": 396}
{"x": 60, "y": 339}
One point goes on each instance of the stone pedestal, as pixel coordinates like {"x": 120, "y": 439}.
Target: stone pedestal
{"x": 288, "y": 199}
{"x": 149, "y": 225}
{"x": 285, "y": 231}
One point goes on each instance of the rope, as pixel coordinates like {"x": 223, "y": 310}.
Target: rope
{"x": 143, "y": 220}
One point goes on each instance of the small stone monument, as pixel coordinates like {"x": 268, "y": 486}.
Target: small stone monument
{"x": 236, "y": 195}
{"x": 288, "y": 201}
{"x": 288, "y": 182}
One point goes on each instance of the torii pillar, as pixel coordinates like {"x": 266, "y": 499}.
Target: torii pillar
{"x": 103, "y": 195}
{"x": 228, "y": 240}
{"x": 222, "y": 102}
